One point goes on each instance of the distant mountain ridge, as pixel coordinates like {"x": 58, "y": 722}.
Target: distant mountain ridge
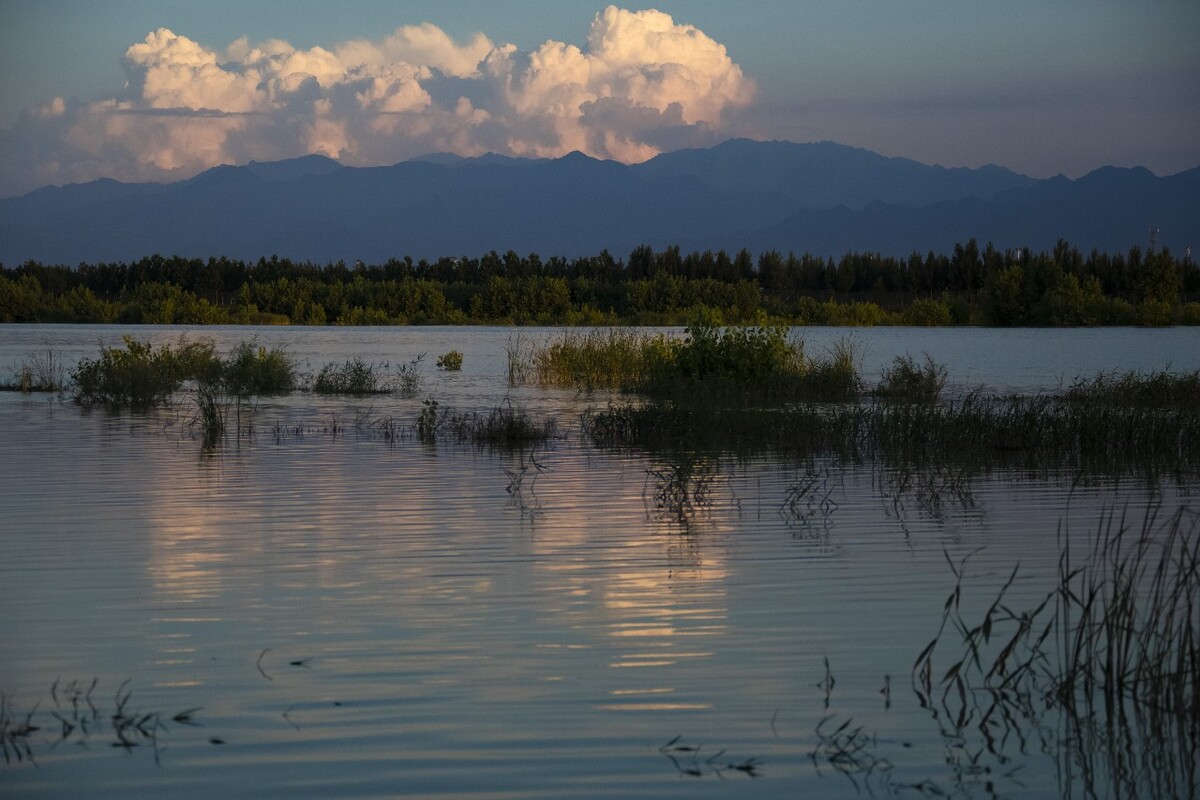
{"x": 822, "y": 198}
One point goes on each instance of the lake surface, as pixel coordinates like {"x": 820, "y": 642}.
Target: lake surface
{"x": 358, "y": 615}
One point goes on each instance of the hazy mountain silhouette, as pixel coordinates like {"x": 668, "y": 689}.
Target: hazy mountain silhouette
{"x": 822, "y": 198}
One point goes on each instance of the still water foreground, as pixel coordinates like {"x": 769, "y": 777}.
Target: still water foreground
{"x": 330, "y": 606}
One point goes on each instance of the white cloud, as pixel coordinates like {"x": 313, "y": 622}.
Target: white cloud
{"x": 640, "y": 83}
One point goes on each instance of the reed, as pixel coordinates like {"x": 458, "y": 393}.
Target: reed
{"x": 1119, "y": 632}
{"x": 39, "y": 372}
{"x": 210, "y": 414}
{"x": 692, "y": 761}
{"x": 78, "y": 718}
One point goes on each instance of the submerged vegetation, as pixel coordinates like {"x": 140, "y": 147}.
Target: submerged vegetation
{"x": 969, "y": 285}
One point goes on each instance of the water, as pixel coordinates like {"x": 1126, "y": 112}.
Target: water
{"x": 359, "y": 617}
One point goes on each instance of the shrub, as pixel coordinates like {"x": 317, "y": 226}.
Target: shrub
{"x": 139, "y": 374}
{"x": 754, "y": 364}
{"x": 451, "y": 362}
{"x": 927, "y": 312}
{"x": 907, "y": 381}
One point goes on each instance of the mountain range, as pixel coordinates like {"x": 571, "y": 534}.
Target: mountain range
{"x": 822, "y": 198}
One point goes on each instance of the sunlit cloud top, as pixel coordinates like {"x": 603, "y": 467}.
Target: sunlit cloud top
{"x": 640, "y": 84}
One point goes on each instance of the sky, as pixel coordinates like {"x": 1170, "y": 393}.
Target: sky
{"x": 137, "y": 90}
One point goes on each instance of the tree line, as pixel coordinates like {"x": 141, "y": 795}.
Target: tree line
{"x": 969, "y": 285}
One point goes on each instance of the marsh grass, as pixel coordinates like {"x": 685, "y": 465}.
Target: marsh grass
{"x": 602, "y": 359}
{"x": 251, "y": 370}
{"x": 1118, "y": 634}
{"x": 210, "y": 415}
{"x": 973, "y": 431}
{"x": 503, "y": 426}
{"x": 359, "y": 378}
{"x": 353, "y": 377}
{"x": 746, "y": 364}
{"x": 140, "y": 374}
{"x": 39, "y": 372}
{"x": 1136, "y": 389}
{"x": 907, "y": 381}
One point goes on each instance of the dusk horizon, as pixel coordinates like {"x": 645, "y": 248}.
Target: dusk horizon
{"x": 1038, "y": 90}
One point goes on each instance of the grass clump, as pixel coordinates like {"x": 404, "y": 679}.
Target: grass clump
{"x": 909, "y": 382}
{"x": 353, "y": 376}
{"x": 611, "y": 359}
{"x": 39, "y": 373}
{"x": 140, "y": 374}
{"x": 754, "y": 364}
{"x": 250, "y": 370}
{"x": 358, "y": 377}
{"x": 450, "y": 362}
{"x": 503, "y": 426}
{"x": 1136, "y": 389}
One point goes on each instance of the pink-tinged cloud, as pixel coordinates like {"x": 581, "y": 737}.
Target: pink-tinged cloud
{"x": 641, "y": 83}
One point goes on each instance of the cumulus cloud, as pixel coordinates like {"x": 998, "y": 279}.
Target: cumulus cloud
{"x": 640, "y": 83}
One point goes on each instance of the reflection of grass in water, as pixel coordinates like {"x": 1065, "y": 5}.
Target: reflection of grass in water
{"x": 505, "y": 425}
{"x": 693, "y": 762}
{"x": 977, "y": 431}
{"x": 1114, "y": 649}
{"x": 77, "y": 718}
{"x": 681, "y": 487}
